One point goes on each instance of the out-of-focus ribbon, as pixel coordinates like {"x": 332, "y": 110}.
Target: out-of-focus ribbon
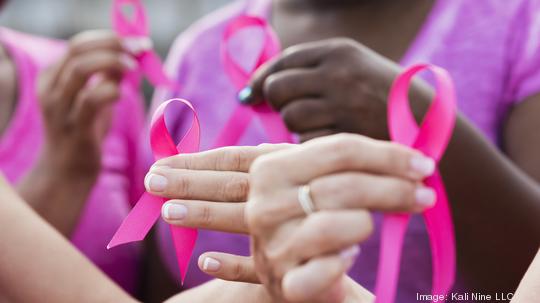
{"x": 242, "y": 115}
{"x": 148, "y": 209}
{"x": 136, "y": 27}
{"x": 431, "y": 138}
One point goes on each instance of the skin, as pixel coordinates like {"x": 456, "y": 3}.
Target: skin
{"x": 39, "y": 259}
{"x": 76, "y": 97}
{"x": 341, "y": 85}
{"x": 529, "y": 288}
{"x": 291, "y": 249}
{"x": 228, "y": 169}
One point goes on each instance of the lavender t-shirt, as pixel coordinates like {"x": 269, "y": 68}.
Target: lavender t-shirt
{"x": 121, "y": 177}
{"x": 491, "y": 48}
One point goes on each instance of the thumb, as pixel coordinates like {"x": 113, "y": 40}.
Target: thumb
{"x": 228, "y": 267}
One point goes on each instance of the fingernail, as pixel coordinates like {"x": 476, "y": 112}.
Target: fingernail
{"x": 137, "y": 45}
{"x": 172, "y": 211}
{"x": 245, "y": 95}
{"x": 349, "y": 255}
{"x": 423, "y": 165}
{"x": 155, "y": 183}
{"x": 128, "y": 62}
{"x": 211, "y": 265}
{"x": 425, "y": 196}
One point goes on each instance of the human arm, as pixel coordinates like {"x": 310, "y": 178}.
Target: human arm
{"x": 76, "y": 97}
{"x": 37, "y": 264}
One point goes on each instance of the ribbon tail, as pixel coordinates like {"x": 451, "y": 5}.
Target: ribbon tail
{"x": 184, "y": 239}
{"x": 273, "y": 124}
{"x": 138, "y": 222}
{"x": 235, "y": 128}
{"x": 441, "y": 235}
{"x": 153, "y": 69}
{"x": 392, "y": 235}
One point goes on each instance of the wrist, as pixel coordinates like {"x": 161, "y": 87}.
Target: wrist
{"x": 65, "y": 166}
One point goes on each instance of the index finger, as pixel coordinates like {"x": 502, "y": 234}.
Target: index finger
{"x": 231, "y": 158}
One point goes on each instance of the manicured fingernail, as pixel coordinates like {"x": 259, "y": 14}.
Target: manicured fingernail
{"x": 155, "y": 183}
{"x": 128, "y": 62}
{"x": 172, "y": 211}
{"x": 350, "y": 253}
{"x": 425, "y": 196}
{"x": 245, "y": 95}
{"x": 211, "y": 265}
{"x": 349, "y": 256}
{"x": 423, "y": 165}
{"x": 137, "y": 45}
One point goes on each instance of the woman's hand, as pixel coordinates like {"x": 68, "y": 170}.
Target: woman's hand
{"x": 76, "y": 97}
{"x": 209, "y": 189}
{"x": 328, "y": 87}
{"x": 304, "y": 258}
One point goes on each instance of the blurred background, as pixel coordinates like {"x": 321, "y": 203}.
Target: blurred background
{"x": 63, "y": 18}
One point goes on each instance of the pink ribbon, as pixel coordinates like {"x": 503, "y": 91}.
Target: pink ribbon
{"x": 148, "y": 209}
{"x": 136, "y": 26}
{"x": 431, "y": 138}
{"x": 243, "y": 115}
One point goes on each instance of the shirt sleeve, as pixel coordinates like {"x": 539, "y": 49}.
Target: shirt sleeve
{"x": 524, "y": 53}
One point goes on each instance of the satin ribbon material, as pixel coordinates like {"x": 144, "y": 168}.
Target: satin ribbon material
{"x": 137, "y": 27}
{"x": 242, "y": 115}
{"x": 431, "y": 138}
{"x": 148, "y": 209}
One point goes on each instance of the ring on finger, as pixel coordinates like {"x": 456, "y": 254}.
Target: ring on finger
{"x": 305, "y": 200}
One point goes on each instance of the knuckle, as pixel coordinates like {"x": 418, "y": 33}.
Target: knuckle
{"x": 238, "y": 188}
{"x": 343, "y": 45}
{"x": 259, "y": 168}
{"x": 259, "y": 216}
{"x": 231, "y": 159}
{"x": 344, "y": 149}
{"x": 237, "y": 272}
{"x": 181, "y": 188}
{"x": 395, "y": 155}
{"x": 205, "y": 217}
{"x": 403, "y": 196}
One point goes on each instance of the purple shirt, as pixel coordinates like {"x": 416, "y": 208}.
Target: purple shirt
{"x": 491, "y": 48}
{"x": 120, "y": 180}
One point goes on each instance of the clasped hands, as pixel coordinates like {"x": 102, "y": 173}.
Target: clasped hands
{"x": 298, "y": 257}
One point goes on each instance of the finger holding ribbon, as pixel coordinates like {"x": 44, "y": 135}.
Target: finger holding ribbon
{"x": 207, "y": 190}
{"x": 357, "y": 175}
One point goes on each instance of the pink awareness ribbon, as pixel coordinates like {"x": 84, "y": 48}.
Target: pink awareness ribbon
{"x": 148, "y": 209}
{"x": 136, "y": 26}
{"x": 242, "y": 115}
{"x": 431, "y": 138}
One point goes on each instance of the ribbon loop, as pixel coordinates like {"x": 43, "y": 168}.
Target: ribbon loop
{"x": 432, "y": 138}
{"x": 242, "y": 116}
{"x": 137, "y": 27}
{"x": 147, "y": 210}
{"x": 271, "y": 46}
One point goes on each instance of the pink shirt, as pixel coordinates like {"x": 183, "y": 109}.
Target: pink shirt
{"x": 120, "y": 179}
{"x": 491, "y": 48}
